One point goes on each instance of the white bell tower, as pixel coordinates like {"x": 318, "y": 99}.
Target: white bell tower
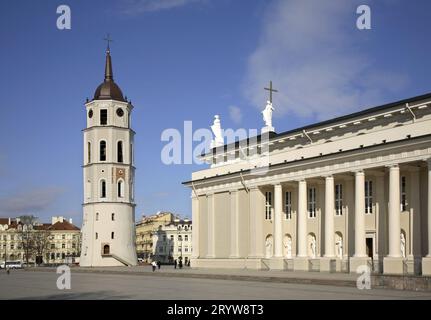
{"x": 108, "y": 229}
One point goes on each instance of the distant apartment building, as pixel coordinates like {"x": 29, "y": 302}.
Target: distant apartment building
{"x": 57, "y": 242}
{"x": 173, "y": 241}
{"x": 146, "y": 228}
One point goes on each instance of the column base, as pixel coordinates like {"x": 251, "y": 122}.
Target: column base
{"x": 393, "y": 265}
{"x": 328, "y": 264}
{"x": 426, "y": 266}
{"x": 356, "y": 262}
{"x": 300, "y": 264}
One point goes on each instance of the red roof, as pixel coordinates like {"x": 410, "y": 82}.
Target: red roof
{"x": 65, "y": 225}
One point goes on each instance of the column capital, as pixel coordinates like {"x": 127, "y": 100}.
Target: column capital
{"x": 393, "y": 166}
{"x": 328, "y": 177}
{"x": 359, "y": 172}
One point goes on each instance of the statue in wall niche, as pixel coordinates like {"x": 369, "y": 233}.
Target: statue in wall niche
{"x": 403, "y": 245}
{"x": 288, "y": 247}
{"x": 268, "y": 246}
{"x": 339, "y": 246}
{"x": 313, "y": 247}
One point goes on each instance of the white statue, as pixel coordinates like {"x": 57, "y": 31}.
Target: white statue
{"x": 218, "y": 134}
{"x": 268, "y": 245}
{"x": 403, "y": 245}
{"x": 339, "y": 245}
{"x": 288, "y": 247}
{"x": 313, "y": 247}
{"x": 267, "y": 117}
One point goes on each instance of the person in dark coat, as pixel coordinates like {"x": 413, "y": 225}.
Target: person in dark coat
{"x": 159, "y": 264}
{"x": 175, "y": 263}
{"x": 180, "y": 264}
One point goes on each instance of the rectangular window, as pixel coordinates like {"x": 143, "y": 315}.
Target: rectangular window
{"x": 113, "y": 216}
{"x": 368, "y": 197}
{"x": 186, "y": 238}
{"x": 288, "y": 205}
{"x": 180, "y": 238}
{"x": 268, "y": 205}
{"x": 63, "y": 246}
{"x": 338, "y": 199}
{"x": 403, "y": 194}
{"x": 97, "y": 235}
{"x": 112, "y": 235}
{"x": 312, "y": 202}
{"x": 103, "y": 117}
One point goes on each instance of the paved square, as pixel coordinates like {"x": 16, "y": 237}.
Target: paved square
{"x": 20, "y": 284}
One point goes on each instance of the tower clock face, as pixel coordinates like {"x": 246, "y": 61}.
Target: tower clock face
{"x": 90, "y": 114}
{"x": 120, "y": 112}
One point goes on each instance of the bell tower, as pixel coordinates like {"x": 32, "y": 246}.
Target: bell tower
{"x": 108, "y": 229}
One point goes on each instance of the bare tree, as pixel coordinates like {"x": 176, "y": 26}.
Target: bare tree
{"x": 27, "y": 235}
{"x": 41, "y": 238}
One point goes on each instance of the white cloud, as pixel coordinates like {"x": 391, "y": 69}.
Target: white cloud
{"x": 307, "y": 49}
{"x": 140, "y": 6}
{"x": 235, "y": 114}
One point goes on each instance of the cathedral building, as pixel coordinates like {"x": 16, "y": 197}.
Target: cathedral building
{"x": 335, "y": 195}
{"x": 108, "y": 229}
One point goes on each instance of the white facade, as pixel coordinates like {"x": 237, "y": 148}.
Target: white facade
{"x": 109, "y": 211}
{"x": 335, "y": 195}
{"x": 173, "y": 242}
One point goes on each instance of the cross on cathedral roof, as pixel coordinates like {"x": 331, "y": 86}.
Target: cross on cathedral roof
{"x": 271, "y": 90}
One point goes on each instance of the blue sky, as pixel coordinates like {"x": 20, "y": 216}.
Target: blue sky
{"x": 187, "y": 60}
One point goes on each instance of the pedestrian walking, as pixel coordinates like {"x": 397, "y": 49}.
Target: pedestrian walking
{"x": 159, "y": 264}
{"x": 8, "y": 270}
{"x": 180, "y": 264}
{"x": 175, "y": 263}
{"x": 154, "y": 265}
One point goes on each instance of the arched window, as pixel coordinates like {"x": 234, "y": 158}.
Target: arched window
{"x": 119, "y": 151}
{"x": 106, "y": 249}
{"x": 102, "y": 150}
{"x": 103, "y": 189}
{"x": 120, "y": 189}
{"x": 89, "y": 152}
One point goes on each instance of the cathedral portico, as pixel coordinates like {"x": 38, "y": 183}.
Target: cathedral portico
{"x": 331, "y": 209}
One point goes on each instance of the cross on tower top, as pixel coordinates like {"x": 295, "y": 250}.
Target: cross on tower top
{"x": 271, "y": 90}
{"x": 108, "y": 40}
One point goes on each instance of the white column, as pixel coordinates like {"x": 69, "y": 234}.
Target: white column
{"x": 394, "y": 212}
{"x": 360, "y": 214}
{"x": 234, "y": 224}
{"x": 211, "y": 227}
{"x": 329, "y": 216}
{"x": 302, "y": 218}
{"x": 278, "y": 230}
{"x": 195, "y": 227}
{"x": 429, "y": 208}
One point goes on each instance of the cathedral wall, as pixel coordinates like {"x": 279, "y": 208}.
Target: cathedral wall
{"x": 222, "y": 216}
{"x": 244, "y": 223}
{"x": 203, "y": 226}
